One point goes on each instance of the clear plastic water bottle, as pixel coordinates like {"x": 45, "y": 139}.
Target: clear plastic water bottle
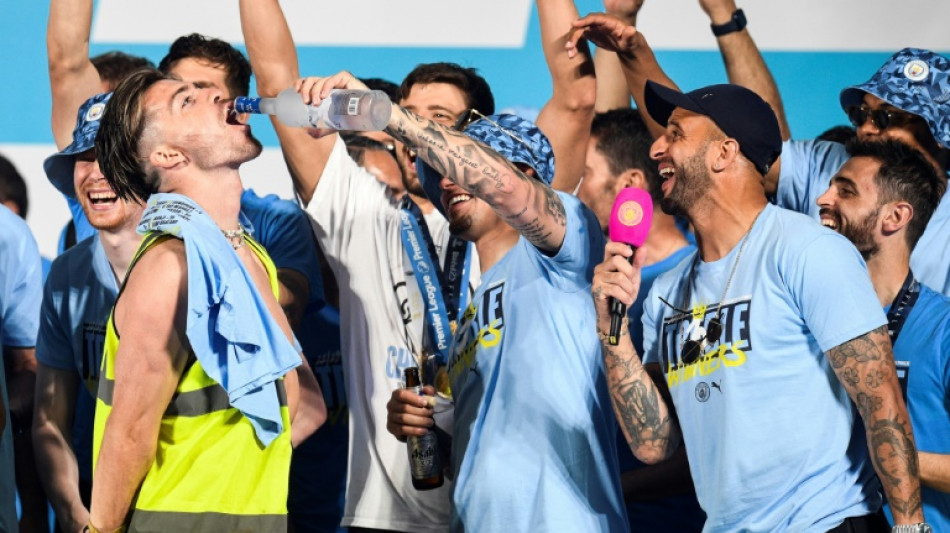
{"x": 344, "y": 109}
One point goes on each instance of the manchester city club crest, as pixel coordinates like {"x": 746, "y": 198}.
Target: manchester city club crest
{"x": 95, "y": 112}
{"x": 916, "y": 70}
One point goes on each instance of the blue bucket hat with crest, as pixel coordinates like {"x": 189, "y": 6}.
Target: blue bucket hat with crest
{"x": 59, "y": 166}
{"x": 516, "y": 139}
{"x": 913, "y": 80}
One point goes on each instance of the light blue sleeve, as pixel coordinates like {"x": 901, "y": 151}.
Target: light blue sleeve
{"x": 830, "y": 284}
{"x": 806, "y": 170}
{"x": 651, "y": 313}
{"x": 21, "y": 276}
{"x": 930, "y": 404}
{"x": 53, "y": 345}
{"x": 572, "y": 267}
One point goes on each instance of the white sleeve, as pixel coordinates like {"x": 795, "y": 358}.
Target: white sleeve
{"x": 347, "y": 197}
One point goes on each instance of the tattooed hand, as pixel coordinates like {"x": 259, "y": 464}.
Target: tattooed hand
{"x": 616, "y": 277}
{"x": 865, "y": 366}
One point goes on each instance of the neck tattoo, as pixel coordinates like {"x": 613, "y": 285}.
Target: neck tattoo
{"x": 235, "y": 237}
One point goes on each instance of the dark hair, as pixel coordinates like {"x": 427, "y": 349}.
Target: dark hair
{"x": 120, "y": 130}
{"x": 114, "y": 66}
{"x": 905, "y": 174}
{"x": 839, "y": 134}
{"x": 624, "y": 140}
{"x": 13, "y": 186}
{"x": 379, "y": 84}
{"x": 215, "y": 51}
{"x": 477, "y": 92}
{"x": 357, "y": 145}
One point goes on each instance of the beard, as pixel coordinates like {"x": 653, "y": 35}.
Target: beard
{"x": 692, "y": 181}
{"x": 208, "y": 155}
{"x": 861, "y": 233}
{"x": 459, "y": 225}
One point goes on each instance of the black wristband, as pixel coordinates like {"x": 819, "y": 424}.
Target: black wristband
{"x": 737, "y": 23}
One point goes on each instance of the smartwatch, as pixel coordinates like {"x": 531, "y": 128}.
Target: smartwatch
{"x": 737, "y": 23}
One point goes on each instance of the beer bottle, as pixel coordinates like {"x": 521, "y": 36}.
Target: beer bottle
{"x": 424, "y": 462}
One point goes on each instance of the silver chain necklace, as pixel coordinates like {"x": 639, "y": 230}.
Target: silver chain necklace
{"x": 235, "y": 237}
{"x": 725, "y": 291}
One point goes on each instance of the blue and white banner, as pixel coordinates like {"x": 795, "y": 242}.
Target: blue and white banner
{"x": 813, "y": 47}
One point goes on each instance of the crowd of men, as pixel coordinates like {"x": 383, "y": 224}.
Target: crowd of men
{"x": 200, "y": 358}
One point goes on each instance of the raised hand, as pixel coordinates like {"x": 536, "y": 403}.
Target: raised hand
{"x": 606, "y": 32}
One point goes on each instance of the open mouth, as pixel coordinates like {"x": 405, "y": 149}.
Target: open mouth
{"x": 102, "y": 199}
{"x": 828, "y": 219}
{"x": 457, "y": 199}
{"x": 667, "y": 174}
{"x": 233, "y": 118}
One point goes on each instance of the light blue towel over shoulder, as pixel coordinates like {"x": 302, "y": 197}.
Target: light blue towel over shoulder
{"x": 231, "y": 330}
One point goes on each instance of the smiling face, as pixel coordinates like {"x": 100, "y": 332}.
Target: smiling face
{"x": 681, "y": 154}
{"x": 104, "y": 210}
{"x": 851, "y": 205}
{"x": 197, "y": 124}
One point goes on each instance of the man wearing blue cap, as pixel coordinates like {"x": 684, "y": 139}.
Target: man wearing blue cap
{"x": 766, "y": 331}
{"x": 80, "y": 292}
{"x": 533, "y": 440}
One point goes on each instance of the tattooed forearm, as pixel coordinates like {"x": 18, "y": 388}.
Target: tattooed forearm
{"x": 525, "y": 203}
{"x": 641, "y": 411}
{"x": 865, "y": 367}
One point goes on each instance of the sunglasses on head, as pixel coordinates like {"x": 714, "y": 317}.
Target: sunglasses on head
{"x": 472, "y": 115}
{"x": 880, "y": 118}
{"x": 691, "y": 350}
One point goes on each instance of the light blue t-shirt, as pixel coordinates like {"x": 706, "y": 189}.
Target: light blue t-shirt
{"x": 773, "y": 440}
{"x": 20, "y": 293}
{"x": 534, "y": 444}
{"x": 679, "y": 513}
{"x": 922, "y": 355}
{"x": 77, "y": 299}
{"x": 806, "y": 171}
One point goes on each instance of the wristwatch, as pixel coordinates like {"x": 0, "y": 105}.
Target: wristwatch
{"x": 922, "y": 527}
{"x": 737, "y": 23}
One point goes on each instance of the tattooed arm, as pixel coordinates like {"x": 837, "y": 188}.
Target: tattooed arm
{"x": 525, "y": 203}
{"x": 642, "y": 410}
{"x": 865, "y": 366}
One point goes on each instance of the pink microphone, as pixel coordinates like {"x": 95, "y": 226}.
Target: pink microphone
{"x": 630, "y": 221}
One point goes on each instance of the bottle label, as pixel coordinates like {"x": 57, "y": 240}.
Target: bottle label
{"x": 247, "y": 104}
{"x": 424, "y": 456}
{"x": 353, "y": 106}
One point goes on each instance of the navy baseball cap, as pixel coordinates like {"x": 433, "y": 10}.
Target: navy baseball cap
{"x": 516, "y": 139}
{"x": 59, "y": 166}
{"x": 740, "y": 113}
{"x": 912, "y": 80}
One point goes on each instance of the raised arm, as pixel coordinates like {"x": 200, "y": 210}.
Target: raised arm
{"x": 72, "y": 76}
{"x": 565, "y": 119}
{"x": 612, "y": 91}
{"x": 746, "y": 67}
{"x": 865, "y": 366}
{"x": 642, "y": 411}
{"x": 744, "y": 63}
{"x": 270, "y": 48}
{"x": 150, "y": 315}
{"x": 525, "y": 203}
{"x": 636, "y": 57}
{"x": 52, "y": 444}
